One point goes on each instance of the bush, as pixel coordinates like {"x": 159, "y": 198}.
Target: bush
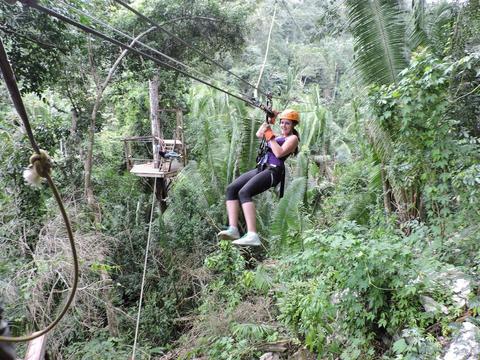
{"x": 352, "y": 289}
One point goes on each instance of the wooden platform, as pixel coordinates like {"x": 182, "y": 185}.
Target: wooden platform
{"x": 147, "y": 170}
{"x": 36, "y": 348}
{"x": 172, "y": 142}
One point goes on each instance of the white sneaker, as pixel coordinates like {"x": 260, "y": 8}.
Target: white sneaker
{"x": 249, "y": 239}
{"x": 230, "y": 234}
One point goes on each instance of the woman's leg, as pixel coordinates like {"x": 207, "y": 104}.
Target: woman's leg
{"x": 250, "y": 216}
{"x": 232, "y": 203}
{"x": 256, "y": 185}
{"x": 233, "y": 209}
{"x": 233, "y": 206}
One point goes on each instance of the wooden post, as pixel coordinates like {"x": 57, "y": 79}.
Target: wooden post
{"x": 154, "y": 120}
{"x": 179, "y": 124}
{"x": 36, "y": 348}
{"x": 179, "y": 135}
{"x": 128, "y": 154}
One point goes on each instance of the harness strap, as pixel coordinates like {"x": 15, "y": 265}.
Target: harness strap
{"x": 262, "y": 167}
{"x": 282, "y": 184}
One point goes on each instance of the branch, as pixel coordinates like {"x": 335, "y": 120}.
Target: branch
{"x": 120, "y": 58}
{"x": 190, "y": 18}
{"x": 42, "y": 44}
{"x": 469, "y": 93}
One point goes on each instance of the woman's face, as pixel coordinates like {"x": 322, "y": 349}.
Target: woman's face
{"x": 286, "y": 126}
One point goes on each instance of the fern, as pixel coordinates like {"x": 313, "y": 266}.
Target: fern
{"x": 263, "y": 281}
{"x": 286, "y": 216}
{"x": 248, "y": 144}
{"x": 252, "y": 331}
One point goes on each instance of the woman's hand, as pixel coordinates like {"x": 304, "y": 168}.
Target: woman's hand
{"x": 269, "y": 135}
{"x": 262, "y": 129}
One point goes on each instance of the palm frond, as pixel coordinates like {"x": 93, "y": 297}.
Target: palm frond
{"x": 380, "y": 140}
{"x": 286, "y": 216}
{"x": 379, "y": 33}
{"x": 263, "y": 280}
{"x": 437, "y": 28}
{"x": 417, "y": 35}
{"x": 301, "y": 168}
{"x": 232, "y": 149}
{"x": 312, "y": 128}
{"x": 358, "y": 210}
{"x": 252, "y": 331}
{"x": 248, "y": 142}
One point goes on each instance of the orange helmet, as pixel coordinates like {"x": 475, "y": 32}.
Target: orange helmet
{"x": 290, "y": 114}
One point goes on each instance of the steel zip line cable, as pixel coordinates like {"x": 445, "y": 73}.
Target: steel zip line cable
{"x": 293, "y": 18}
{"x": 131, "y": 38}
{"x": 34, "y": 4}
{"x": 267, "y": 48}
{"x": 153, "y": 23}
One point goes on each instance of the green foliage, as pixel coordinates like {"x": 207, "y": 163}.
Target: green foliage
{"x": 35, "y": 45}
{"x": 418, "y": 110}
{"x": 226, "y": 261}
{"x": 228, "y": 348}
{"x": 288, "y": 219}
{"x": 415, "y": 344}
{"x": 110, "y": 348}
{"x": 345, "y": 282}
{"x": 356, "y": 196}
{"x": 187, "y": 217}
{"x": 254, "y": 331}
{"x": 352, "y": 285}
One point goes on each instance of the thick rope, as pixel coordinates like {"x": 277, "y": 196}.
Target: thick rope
{"x": 41, "y": 163}
{"x": 266, "y": 51}
{"x": 144, "y": 269}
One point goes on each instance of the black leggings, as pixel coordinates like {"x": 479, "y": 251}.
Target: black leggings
{"x": 252, "y": 183}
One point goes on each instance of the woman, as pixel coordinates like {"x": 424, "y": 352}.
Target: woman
{"x": 268, "y": 173}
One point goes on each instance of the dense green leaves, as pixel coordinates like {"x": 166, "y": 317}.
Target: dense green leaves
{"x": 381, "y": 202}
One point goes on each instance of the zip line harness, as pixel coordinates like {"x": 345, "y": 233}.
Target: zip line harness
{"x": 263, "y": 148}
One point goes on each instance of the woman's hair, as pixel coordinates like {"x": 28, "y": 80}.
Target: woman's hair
{"x": 295, "y": 132}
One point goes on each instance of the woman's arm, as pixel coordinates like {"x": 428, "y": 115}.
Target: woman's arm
{"x": 287, "y": 148}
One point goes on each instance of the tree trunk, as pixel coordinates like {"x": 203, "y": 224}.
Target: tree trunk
{"x": 387, "y": 191}
{"x": 106, "y": 293}
{"x": 74, "y": 125}
{"x": 154, "y": 120}
{"x": 91, "y": 201}
{"x": 161, "y": 193}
